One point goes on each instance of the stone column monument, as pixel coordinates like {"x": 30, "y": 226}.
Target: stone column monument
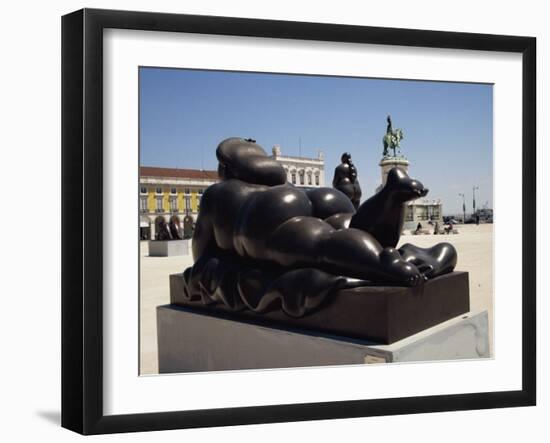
{"x": 388, "y": 163}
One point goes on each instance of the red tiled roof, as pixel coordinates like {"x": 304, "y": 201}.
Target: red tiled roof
{"x": 151, "y": 171}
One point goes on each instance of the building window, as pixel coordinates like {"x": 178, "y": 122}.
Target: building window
{"x": 160, "y": 207}
{"x": 199, "y": 202}
{"x": 143, "y": 204}
{"x": 309, "y": 182}
{"x": 433, "y": 212}
{"x": 159, "y": 190}
{"x": 409, "y": 213}
{"x": 187, "y": 201}
{"x": 293, "y": 175}
{"x": 316, "y": 180}
{"x": 173, "y": 191}
{"x": 200, "y": 191}
{"x": 301, "y": 177}
{"x": 187, "y": 191}
{"x": 173, "y": 205}
{"x": 422, "y": 212}
{"x": 143, "y": 190}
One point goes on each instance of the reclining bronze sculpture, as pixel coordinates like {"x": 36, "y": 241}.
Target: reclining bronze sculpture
{"x": 260, "y": 241}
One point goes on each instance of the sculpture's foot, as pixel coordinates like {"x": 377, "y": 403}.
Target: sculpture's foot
{"x": 401, "y": 272}
{"x": 432, "y": 262}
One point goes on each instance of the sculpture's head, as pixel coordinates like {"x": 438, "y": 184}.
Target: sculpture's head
{"x": 346, "y": 157}
{"x": 402, "y": 187}
{"x": 247, "y": 161}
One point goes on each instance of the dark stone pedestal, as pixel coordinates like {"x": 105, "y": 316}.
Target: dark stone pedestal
{"x": 380, "y": 314}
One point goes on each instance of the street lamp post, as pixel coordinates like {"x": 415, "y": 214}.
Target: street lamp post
{"x": 463, "y": 207}
{"x": 474, "y": 198}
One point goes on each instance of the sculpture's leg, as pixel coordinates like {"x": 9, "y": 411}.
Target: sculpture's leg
{"x": 308, "y": 241}
{"x": 358, "y": 254}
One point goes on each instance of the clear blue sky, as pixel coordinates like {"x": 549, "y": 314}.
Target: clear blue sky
{"x": 448, "y": 127}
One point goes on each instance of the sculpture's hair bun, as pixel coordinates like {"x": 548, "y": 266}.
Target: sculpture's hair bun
{"x": 247, "y": 161}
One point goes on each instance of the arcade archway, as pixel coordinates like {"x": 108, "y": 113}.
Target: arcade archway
{"x": 144, "y": 228}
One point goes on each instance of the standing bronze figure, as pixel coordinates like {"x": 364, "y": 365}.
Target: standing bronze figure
{"x": 345, "y": 180}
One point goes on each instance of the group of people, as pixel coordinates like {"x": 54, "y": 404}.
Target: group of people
{"x": 447, "y": 228}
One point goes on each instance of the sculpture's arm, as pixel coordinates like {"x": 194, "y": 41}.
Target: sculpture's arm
{"x": 203, "y": 237}
{"x": 339, "y": 174}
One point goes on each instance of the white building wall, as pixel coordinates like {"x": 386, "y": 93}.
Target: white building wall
{"x": 148, "y": 218}
{"x": 302, "y": 165}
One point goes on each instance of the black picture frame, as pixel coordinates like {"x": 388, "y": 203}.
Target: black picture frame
{"x": 82, "y": 253}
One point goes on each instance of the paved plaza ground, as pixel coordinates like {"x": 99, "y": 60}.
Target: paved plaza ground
{"x": 475, "y": 255}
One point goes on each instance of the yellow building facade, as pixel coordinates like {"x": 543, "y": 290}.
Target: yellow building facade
{"x": 170, "y": 194}
{"x": 175, "y": 194}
